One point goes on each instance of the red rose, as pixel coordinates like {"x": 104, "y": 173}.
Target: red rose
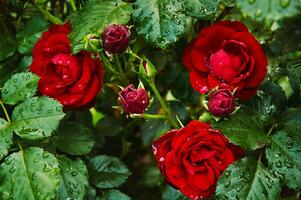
{"x": 193, "y": 158}
{"x": 134, "y": 101}
{"x": 221, "y": 102}
{"x": 226, "y": 54}
{"x": 74, "y": 80}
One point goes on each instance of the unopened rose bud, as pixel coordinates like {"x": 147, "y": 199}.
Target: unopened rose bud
{"x": 221, "y": 103}
{"x": 91, "y": 43}
{"x": 115, "y": 38}
{"x": 134, "y": 101}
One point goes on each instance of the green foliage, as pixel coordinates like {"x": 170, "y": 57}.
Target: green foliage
{"x": 30, "y": 33}
{"x": 160, "y": 22}
{"x": 284, "y": 157}
{"x": 247, "y": 179}
{"x": 7, "y": 45}
{"x": 269, "y": 11}
{"x": 152, "y": 129}
{"x": 30, "y": 174}
{"x": 74, "y": 139}
{"x": 202, "y": 9}
{"x": 172, "y": 194}
{"x": 113, "y": 195}
{"x": 30, "y": 116}
{"x": 107, "y": 172}
{"x": 6, "y": 138}
{"x": 243, "y": 129}
{"x": 95, "y": 16}
{"x": 104, "y": 126}
{"x": 74, "y": 181}
{"x": 20, "y": 87}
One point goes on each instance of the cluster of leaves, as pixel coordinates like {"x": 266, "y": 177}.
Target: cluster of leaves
{"x": 48, "y": 154}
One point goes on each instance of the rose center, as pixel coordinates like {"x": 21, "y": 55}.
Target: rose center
{"x": 229, "y": 62}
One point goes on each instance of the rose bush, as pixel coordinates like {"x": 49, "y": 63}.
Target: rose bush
{"x": 74, "y": 80}
{"x": 193, "y": 158}
{"x": 226, "y": 54}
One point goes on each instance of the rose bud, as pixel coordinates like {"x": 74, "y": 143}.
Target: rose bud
{"x": 91, "y": 43}
{"x": 134, "y": 101}
{"x": 115, "y": 38}
{"x": 221, "y": 103}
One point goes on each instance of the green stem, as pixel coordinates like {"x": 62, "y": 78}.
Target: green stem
{"x": 53, "y": 19}
{"x": 163, "y": 105}
{"x": 5, "y": 112}
{"x": 73, "y": 6}
{"x": 271, "y": 129}
{"x": 107, "y": 64}
{"x": 151, "y": 116}
{"x": 122, "y": 75}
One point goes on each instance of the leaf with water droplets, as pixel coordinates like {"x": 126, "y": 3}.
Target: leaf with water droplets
{"x": 160, "y": 22}
{"x": 107, "y": 171}
{"x": 74, "y": 182}
{"x": 284, "y": 157}
{"x": 113, "y": 195}
{"x": 244, "y": 129}
{"x": 74, "y": 138}
{"x": 19, "y": 87}
{"x": 170, "y": 193}
{"x": 95, "y": 16}
{"x": 37, "y": 118}
{"x": 6, "y": 138}
{"x": 29, "y": 175}
{"x": 203, "y": 9}
{"x": 247, "y": 179}
{"x": 269, "y": 11}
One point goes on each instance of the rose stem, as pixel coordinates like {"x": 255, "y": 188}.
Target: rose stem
{"x": 107, "y": 64}
{"x": 72, "y": 3}
{"x": 163, "y": 104}
{"x": 49, "y": 16}
{"x": 151, "y": 116}
{"x": 5, "y": 112}
{"x": 118, "y": 65}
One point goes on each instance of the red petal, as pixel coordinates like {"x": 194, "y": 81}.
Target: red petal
{"x": 246, "y": 93}
{"x": 186, "y": 56}
{"x": 199, "y": 81}
{"x": 235, "y": 25}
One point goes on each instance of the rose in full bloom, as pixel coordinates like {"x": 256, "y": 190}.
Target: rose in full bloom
{"x": 134, "y": 101}
{"x": 226, "y": 54}
{"x": 221, "y": 102}
{"x": 116, "y": 38}
{"x": 74, "y": 80}
{"x": 193, "y": 158}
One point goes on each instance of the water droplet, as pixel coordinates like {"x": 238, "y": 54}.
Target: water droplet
{"x": 12, "y": 170}
{"x": 15, "y": 80}
{"x": 45, "y": 154}
{"x": 74, "y": 173}
{"x": 258, "y": 13}
{"x": 227, "y": 173}
{"x": 35, "y": 160}
{"x": 278, "y": 164}
{"x": 289, "y": 144}
{"x": 238, "y": 189}
{"x": 251, "y": 1}
{"x": 288, "y": 164}
{"x": 28, "y": 77}
{"x": 8, "y": 161}
{"x": 58, "y": 109}
{"x": 285, "y": 3}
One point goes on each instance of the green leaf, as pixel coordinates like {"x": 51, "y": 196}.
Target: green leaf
{"x": 244, "y": 129}
{"x": 104, "y": 126}
{"x": 74, "y": 182}
{"x": 19, "y": 87}
{"x": 74, "y": 139}
{"x": 7, "y": 45}
{"x": 153, "y": 128}
{"x": 6, "y": 138}
{"x": 292, "y": 120}
{"x": 202, "y": 9}
{"x": 170, "y": 193}
{"x": 95, "y": 16}
{"x": 160, "y": 22}
{"x": 247, "y": 179}
{"x": 107, "y": 172}
{"x": 29, "y": 174}
{"x": 269, "y": 11}
{"x": 37, "y": 118}
{"x": 284, "y": 157}
{"x": 113, "y": 195}
{"x": 30, "y": 33}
